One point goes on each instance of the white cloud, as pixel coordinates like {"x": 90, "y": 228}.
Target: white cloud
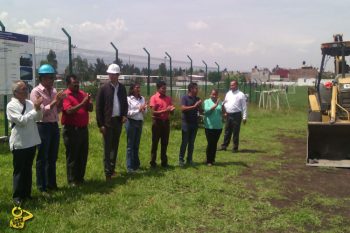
{"x": 86, "y": 34}
{"x": 43, "y": 23}
{"x": 199, "y": 45}
{"x": 108, "y": 26}
{"x": 217, "y": 46}
{"x": 291, "y": 39}
{"x": 3, "y": 15}
{"x": 24, "y": 27}
{"x": 248, "y": 49}
{"x": 197, "y": 25}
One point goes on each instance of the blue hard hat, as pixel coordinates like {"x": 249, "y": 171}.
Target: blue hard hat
{"x": 46, "y": 69}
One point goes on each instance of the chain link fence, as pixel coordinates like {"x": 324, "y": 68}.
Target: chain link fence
{"x": 90, "y": 64}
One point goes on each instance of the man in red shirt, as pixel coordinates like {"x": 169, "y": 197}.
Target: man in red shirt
{"x": 75, "y": 118}
{"x": 161, "y": 106}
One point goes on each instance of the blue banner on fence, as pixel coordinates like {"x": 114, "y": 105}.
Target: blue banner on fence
{"x": 14, "y": 37}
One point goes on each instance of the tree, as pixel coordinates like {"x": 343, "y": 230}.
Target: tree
{"x": 120, "y": 62}
{"x": 213, "y": 77}
{"x": 100, "y": 67}
{"x": 162, "y": 69}
{"x": 81, "y": 68}
{"x": 51, "y": 59}
{"x": 240, "y": 78}
{"x": 130, "y": 69}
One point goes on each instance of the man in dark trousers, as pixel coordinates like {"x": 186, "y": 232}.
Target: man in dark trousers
{"x": 48, "y": 129}
{"x": 161, "y": 106}
{"x": 190, "y": 107}
{"x": 111, "y": 111}
{"x": 235, "y": 107}
{"x": 75, "y": 118}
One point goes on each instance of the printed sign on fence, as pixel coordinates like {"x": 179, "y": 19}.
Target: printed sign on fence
{"x": 16, "y": 60}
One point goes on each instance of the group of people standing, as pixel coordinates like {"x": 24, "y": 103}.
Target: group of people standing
{"x": 35, "y": 126}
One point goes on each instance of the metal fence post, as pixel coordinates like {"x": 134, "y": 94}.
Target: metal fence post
{"x": 218, "y": 76}
{"x": 148, "y": 71}
{"x": 171, "y": 75}
{"x": 69, "y": 50}
{"x": 250, "y": 91}
{"x": 191, "y": 68}
{"x": 116, "y": 54}
{"x": 6, "y": 126}
{"x": 206, "y": 78}
{"x": 2, "y": 26}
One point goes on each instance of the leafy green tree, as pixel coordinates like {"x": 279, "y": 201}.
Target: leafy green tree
{"x": 51, "y": 59}
{"x": 81, "y": 68}
{"x": 130, "y": 69}
{"x": 240, "y": 78}
{"x": 120, "y": 62}
{"x": 100, "y": 67}
{"x": 213, "y": 77}
{"x": 162, "y": 69}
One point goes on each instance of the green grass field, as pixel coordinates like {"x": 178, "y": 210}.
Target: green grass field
{"x": 232, "y": 196}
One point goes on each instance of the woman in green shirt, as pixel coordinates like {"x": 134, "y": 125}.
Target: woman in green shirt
{"x": 213, "y": 124}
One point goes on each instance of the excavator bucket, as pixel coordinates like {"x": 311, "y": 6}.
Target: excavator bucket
{"x": 328, "y": 144}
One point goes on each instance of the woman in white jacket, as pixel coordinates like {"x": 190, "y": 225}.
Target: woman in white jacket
{"x": 23, "y": 114}
{"x": 137, "y": 108}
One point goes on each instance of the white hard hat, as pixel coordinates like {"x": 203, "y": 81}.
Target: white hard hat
{"x": 113, "y": 69}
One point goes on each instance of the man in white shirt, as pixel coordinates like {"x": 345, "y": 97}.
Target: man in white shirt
{"x": 235, "y": 107}
{"x": 111, "y": 111}
{"x": 23, "y": 114}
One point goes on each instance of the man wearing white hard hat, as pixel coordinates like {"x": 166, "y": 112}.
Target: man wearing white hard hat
{"x": 111, "y": 111}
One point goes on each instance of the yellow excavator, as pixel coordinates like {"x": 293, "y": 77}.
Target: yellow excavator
{"x": 328, "y": 139}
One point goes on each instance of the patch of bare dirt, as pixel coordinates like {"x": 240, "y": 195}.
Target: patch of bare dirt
{"x": 298, "y": 180}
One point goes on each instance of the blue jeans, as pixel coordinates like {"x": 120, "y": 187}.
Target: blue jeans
{"x": 189, "y": 133}
{"x": 47, "y": 155}
{"x": 133, "y": 132}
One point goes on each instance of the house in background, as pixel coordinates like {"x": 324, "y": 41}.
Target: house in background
{"x": 305, "y": 72}
{"x": 260, "y": 75}
{"x": 281, "y": 72}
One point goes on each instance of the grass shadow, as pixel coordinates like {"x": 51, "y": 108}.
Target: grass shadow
{"x": 95, "y": 186}
{"x": 252, "y": 151}
{"x": 225, "y": 164}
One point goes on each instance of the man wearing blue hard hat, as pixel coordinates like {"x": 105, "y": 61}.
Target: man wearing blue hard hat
{"x": 48, "y": 128}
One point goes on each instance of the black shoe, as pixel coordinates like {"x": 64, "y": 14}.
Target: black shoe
{"x": 165, "y": 165}
{"x": 222, "y": 149}
{"x": 234, "y": 150}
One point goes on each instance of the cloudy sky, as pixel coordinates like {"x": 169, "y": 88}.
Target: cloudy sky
{"x": 238, "y": 34}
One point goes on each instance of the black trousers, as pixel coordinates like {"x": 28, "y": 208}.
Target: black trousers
{"x": 76, "y": 141}
{"x": 232, "y": 127}
{"x": 212, "y": 136}
{"x": 111, "y": 144}
{"x": 22, "y": 172}
{"x": 160, "y": 131}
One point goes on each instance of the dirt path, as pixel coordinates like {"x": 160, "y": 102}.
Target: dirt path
{"x": 298, "y": 180}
